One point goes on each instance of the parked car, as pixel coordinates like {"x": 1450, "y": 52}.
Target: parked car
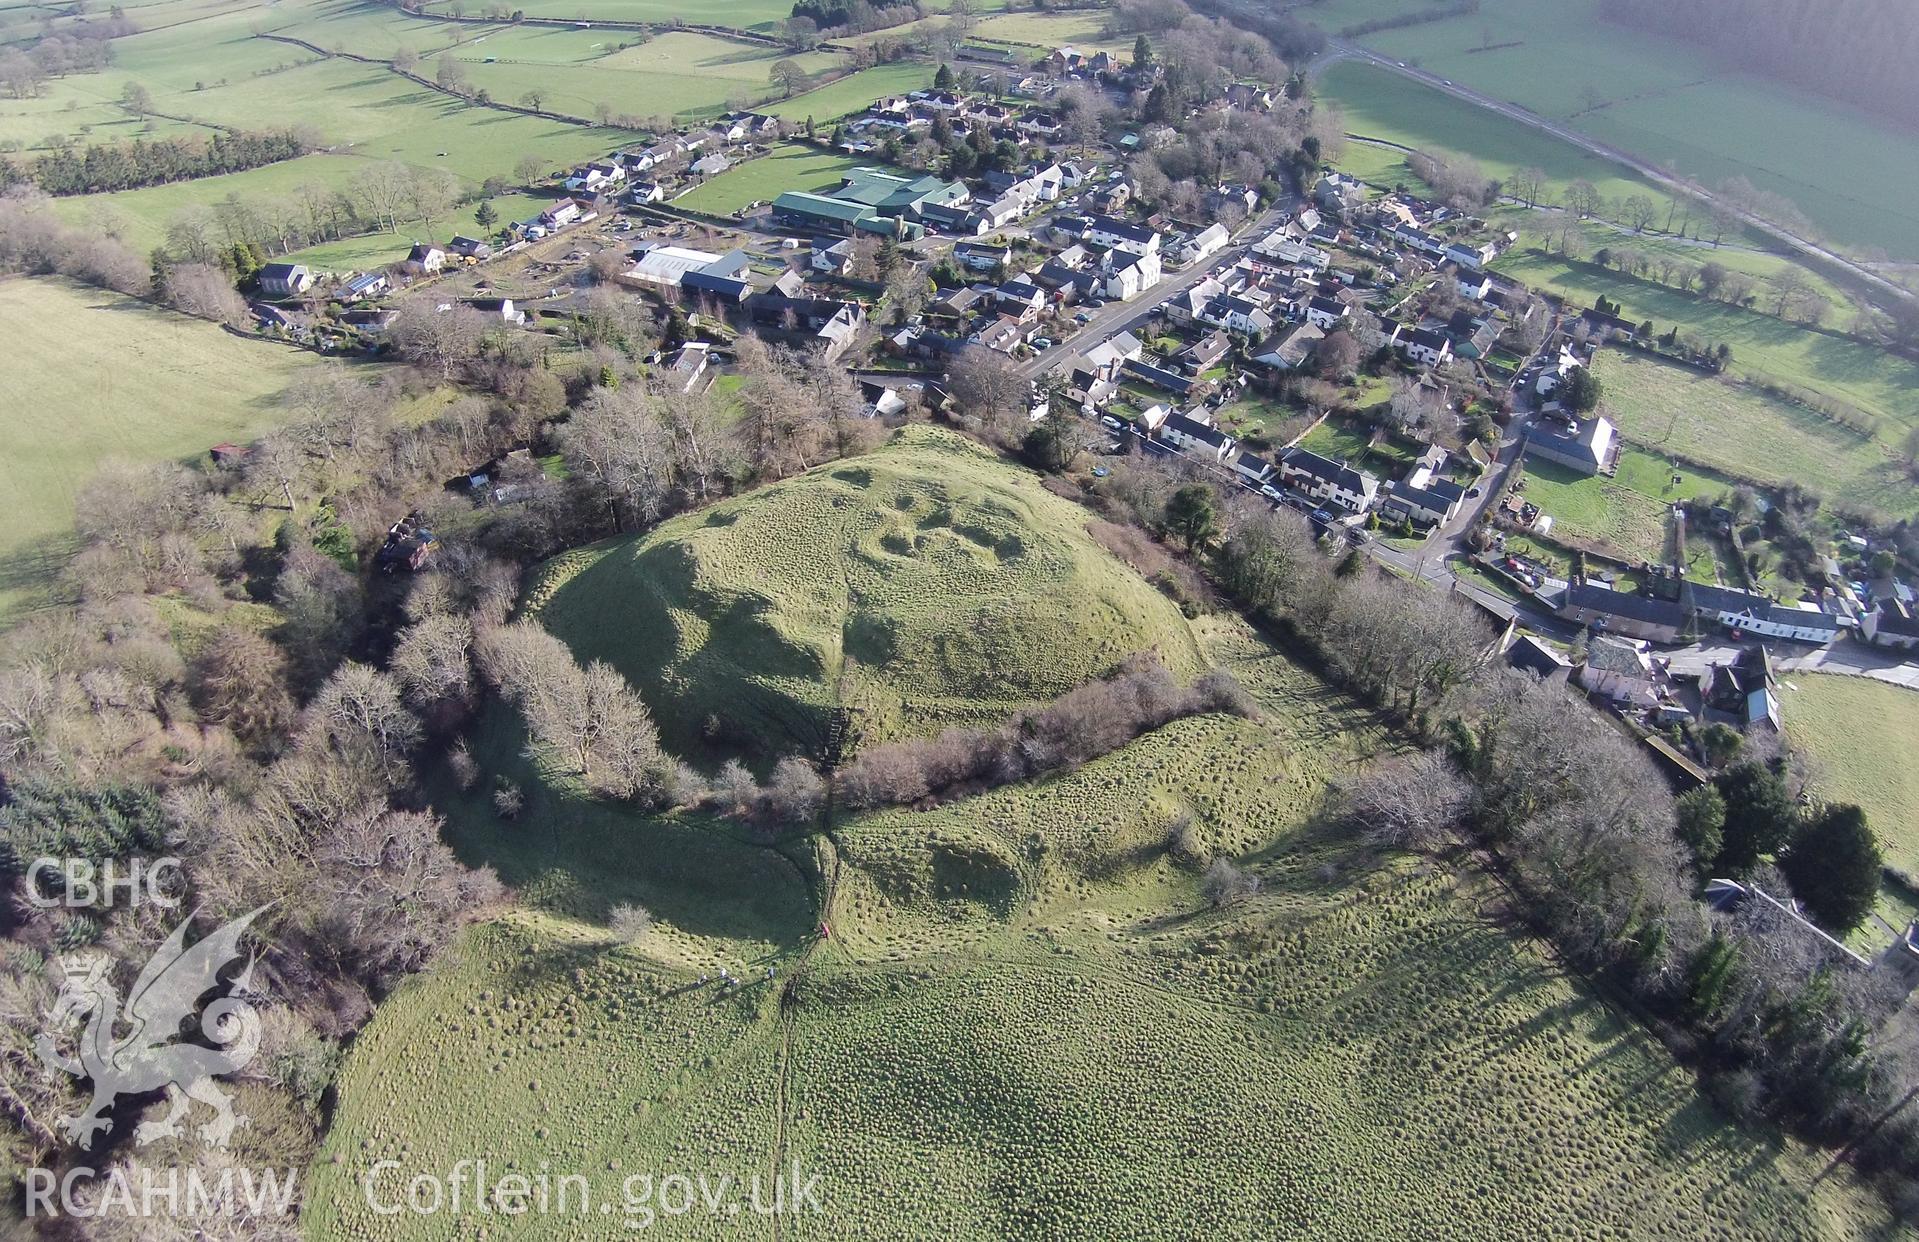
{"x": 1270, "y": 492}
{"x": 1042, "y": 343}
{"x": 1109, "y": 421}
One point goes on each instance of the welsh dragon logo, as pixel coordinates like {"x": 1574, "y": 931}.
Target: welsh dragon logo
{"x": 151, "y": 1053}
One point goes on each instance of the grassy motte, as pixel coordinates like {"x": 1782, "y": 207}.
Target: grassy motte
{"x": 922, "y": 585}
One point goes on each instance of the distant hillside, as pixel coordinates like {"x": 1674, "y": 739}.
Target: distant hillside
{"x": 1861, "y": 51}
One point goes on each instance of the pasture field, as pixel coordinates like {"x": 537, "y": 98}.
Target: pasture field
{"x": 392, "y": 120}
{"x": 922, "y": 585}
{"x": 91, "y": 377}
{"x": 1628, "y": 512}
{"x": 1026, "y": 1023}
{"x": 1084, "y": 30}
{"x": 679, "y": 73}
{"x": 1854, "y": 175}
{"x": 793, "y": 166}
{"x": 1858, "y": 374}
{"x": 761, "y": 15}
{"x": 1381, "y": 104}
{"x": 1750, "y": 433}
{"x": 1870, "y": 766}
{"x": 855, "y": 92}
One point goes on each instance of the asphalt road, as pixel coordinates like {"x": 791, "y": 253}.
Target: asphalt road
{"x": 1116, "y": 317}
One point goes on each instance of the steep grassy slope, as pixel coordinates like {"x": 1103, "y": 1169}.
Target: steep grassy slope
{"x": 1026, "y": 1023}
{"x": 922, "y": 585}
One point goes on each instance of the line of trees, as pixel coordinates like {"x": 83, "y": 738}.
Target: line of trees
{"x": 1081, "y": 725}
{"x": 100, "y": 167}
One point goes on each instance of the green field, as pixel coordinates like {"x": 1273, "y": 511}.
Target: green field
{"x": 1749, "y": 433}
{"x": 92, "y": 377}
{"x": 1025, "y": 1022}
{"x": 1084, "y": 31}
{"x": 1381, "y": 104}
{"x": 758, "y": 15}
{"x": 738, "y": 14}
{"x": 1871, "y": 766}
{"x": 792, "y": 166}
{"x": 1858, "y": 374}
{"x": 676, "y": 74}
{"x": 1627, "y": 512}
{"x": 1854, "y": 175}
{"x": 937, "y": 592}
{"x": 377, "y": 117}
{"x": 854, "y": 92}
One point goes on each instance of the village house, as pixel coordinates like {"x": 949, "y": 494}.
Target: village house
{"x": 1205, "y": 244}
{"x": 832, "y": 257}
{"x": 365, "y": 285}
{"x": 1422, "y": 499}
{"x": 1236, "y": 314}
{"x": 1892, "y": 624}
{"x": 1128, "y": 274}
{"x": 1622, "y": 671}
{"x": 689, "y": 364}
{"x": 978, "y": 256}
{"x": 1621, "y": 612}
{"x": 1291, "y": 349}
{"x": 1800, "y": 623}
{"x": 498, "y": 308}
{"x": 1326, "y": 313}
{"x": 1253, "y": 470}
{"x": 1115, "y": 234}
{"x": 1196, "y": 439}
{"x": 1205, "y": 352}
{"x": 1004, "y": 334}
{"x": 470, "y": 248}
{"x": 1338, "y": 192}
{"x": 824, "y": 324}
{"x": 426, "y": 258}
{"x": 285, "y": 280}
{"x": 1106, "y": 358}
{"x": 1425, "y": 346}
{"x": 1328, "y": 481}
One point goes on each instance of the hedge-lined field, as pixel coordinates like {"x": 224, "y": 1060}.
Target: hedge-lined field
{"x": 90, "y": 377}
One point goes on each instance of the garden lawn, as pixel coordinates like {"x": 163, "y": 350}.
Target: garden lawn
{"x": 1862, "y": 735}
{"x": 92, "y": 376}
{"x": 792, "y": 166}
{"x": 1626, "y": 513}
{"x": 1339, "y": 439}
{"x": 1749, "y": 433}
